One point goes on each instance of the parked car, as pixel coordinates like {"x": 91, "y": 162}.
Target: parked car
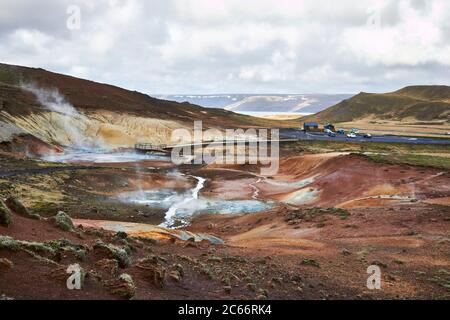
{"x": 340, "y": 131}
{"x": 351, "y": 135}
{"x": 355, "y": 131}
{"x": 368, "y": 136}
{"x": 327, "y": 131}
{"x": 331, "y": 134}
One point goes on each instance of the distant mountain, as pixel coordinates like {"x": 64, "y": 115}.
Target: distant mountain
{"x": 270, "y": 103}
{"x": 425, "y": 103}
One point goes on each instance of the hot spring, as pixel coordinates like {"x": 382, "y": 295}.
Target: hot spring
{"x": 102, "y": 156}
{"x": 181, "y": 206}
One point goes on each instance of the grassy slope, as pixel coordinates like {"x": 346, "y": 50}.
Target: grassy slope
{"x": 413, "y": 159}
{"x": 413, "y": 154}
{"x": 420, "y": 102}
{"x": 89, "y": 95}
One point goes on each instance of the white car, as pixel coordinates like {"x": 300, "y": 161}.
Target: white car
{"x": 351, "y": 135}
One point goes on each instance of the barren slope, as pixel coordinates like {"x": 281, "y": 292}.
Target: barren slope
{"x": 426, "y": 103}
{"x": 116, "y": 116}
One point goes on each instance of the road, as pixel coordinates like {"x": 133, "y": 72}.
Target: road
{"x": 300, "y": 134}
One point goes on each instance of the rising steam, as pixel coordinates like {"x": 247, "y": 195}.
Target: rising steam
{"x": 74, "y": 123}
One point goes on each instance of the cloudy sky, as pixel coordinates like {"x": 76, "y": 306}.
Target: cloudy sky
{"x": 228, "y": 46}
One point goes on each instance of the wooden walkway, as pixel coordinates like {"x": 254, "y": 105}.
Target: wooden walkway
{"x": 148, "y": 147}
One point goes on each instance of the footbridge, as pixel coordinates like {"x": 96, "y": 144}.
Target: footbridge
{"x": 163, "y": 148}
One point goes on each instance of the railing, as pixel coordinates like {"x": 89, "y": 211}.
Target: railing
{"x": 166, "y": 148}
{"x": 149, "y": 146}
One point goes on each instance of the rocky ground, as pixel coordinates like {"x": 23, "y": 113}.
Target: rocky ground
{"x": 364, "y": 213}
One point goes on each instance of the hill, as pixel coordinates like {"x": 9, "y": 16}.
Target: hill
{"x": 423, "y": 103}
{"x": 57, "y": 109}
{"x": 90, "y": 96}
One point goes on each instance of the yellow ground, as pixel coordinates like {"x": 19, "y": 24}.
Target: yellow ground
{"x": 411, "y": 127}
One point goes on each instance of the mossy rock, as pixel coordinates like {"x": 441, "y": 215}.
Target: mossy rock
{"x": 128, "y": 283}
{"x": 123, "y": 286}
{"x": 47, "y": 250}
{"x": 64, "y": 245}
{"x": 5, "y": 215}
{"x": 117, "y": 253}
{"x": 63, "y": 221}
{"x": 27, "y": 246}
{"x": 15, "y": 205}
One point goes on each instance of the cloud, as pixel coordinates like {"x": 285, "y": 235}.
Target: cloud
{"x": 418, "y": 38}
{"x": 207, "y": 46}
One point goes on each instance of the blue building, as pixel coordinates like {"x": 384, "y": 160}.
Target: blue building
{"x": 311, "y": 126}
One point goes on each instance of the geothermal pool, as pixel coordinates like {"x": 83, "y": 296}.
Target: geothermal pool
{"x": 102, "y": 157}
{"x": 181, "y": 206}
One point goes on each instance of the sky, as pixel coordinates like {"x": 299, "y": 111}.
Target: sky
{"x": 233, "y": 46}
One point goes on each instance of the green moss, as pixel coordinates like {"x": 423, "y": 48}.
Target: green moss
{"x": 130, "y": 286}
{"x": 9, "y": 243}
{"x": 5, "y": 215}
{"x": 207, "y": 272}
{"x": 65, "y": 245}
{"x": 44, "y": 207}
{"x": 359, "y": 147}
{"x": 117, "y": 253}
{"x": 15, "y": 205}
{"x": 30, "y": 247}
{"x": 413, "y": 159}
{"x": 63, "y": 221}
{"x": 43, "y": 251}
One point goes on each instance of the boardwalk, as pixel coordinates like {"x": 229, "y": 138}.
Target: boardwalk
{"x": 147, "y": 147}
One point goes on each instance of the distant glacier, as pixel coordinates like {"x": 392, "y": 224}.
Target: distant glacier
{"x": 263, "y": 103}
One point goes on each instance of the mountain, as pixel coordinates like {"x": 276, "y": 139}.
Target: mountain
{"x": 424, "y": 103}
{"x": 90, "y": 96}
{"x": 61, "y": 109}
{"x": 268, "y": 103}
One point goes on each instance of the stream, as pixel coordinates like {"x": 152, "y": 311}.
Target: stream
{"x": 179, "y": 206}
{"x": 187, "y": 202}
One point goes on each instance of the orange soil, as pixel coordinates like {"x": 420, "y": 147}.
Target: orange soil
{"x": 338, "y": 180}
